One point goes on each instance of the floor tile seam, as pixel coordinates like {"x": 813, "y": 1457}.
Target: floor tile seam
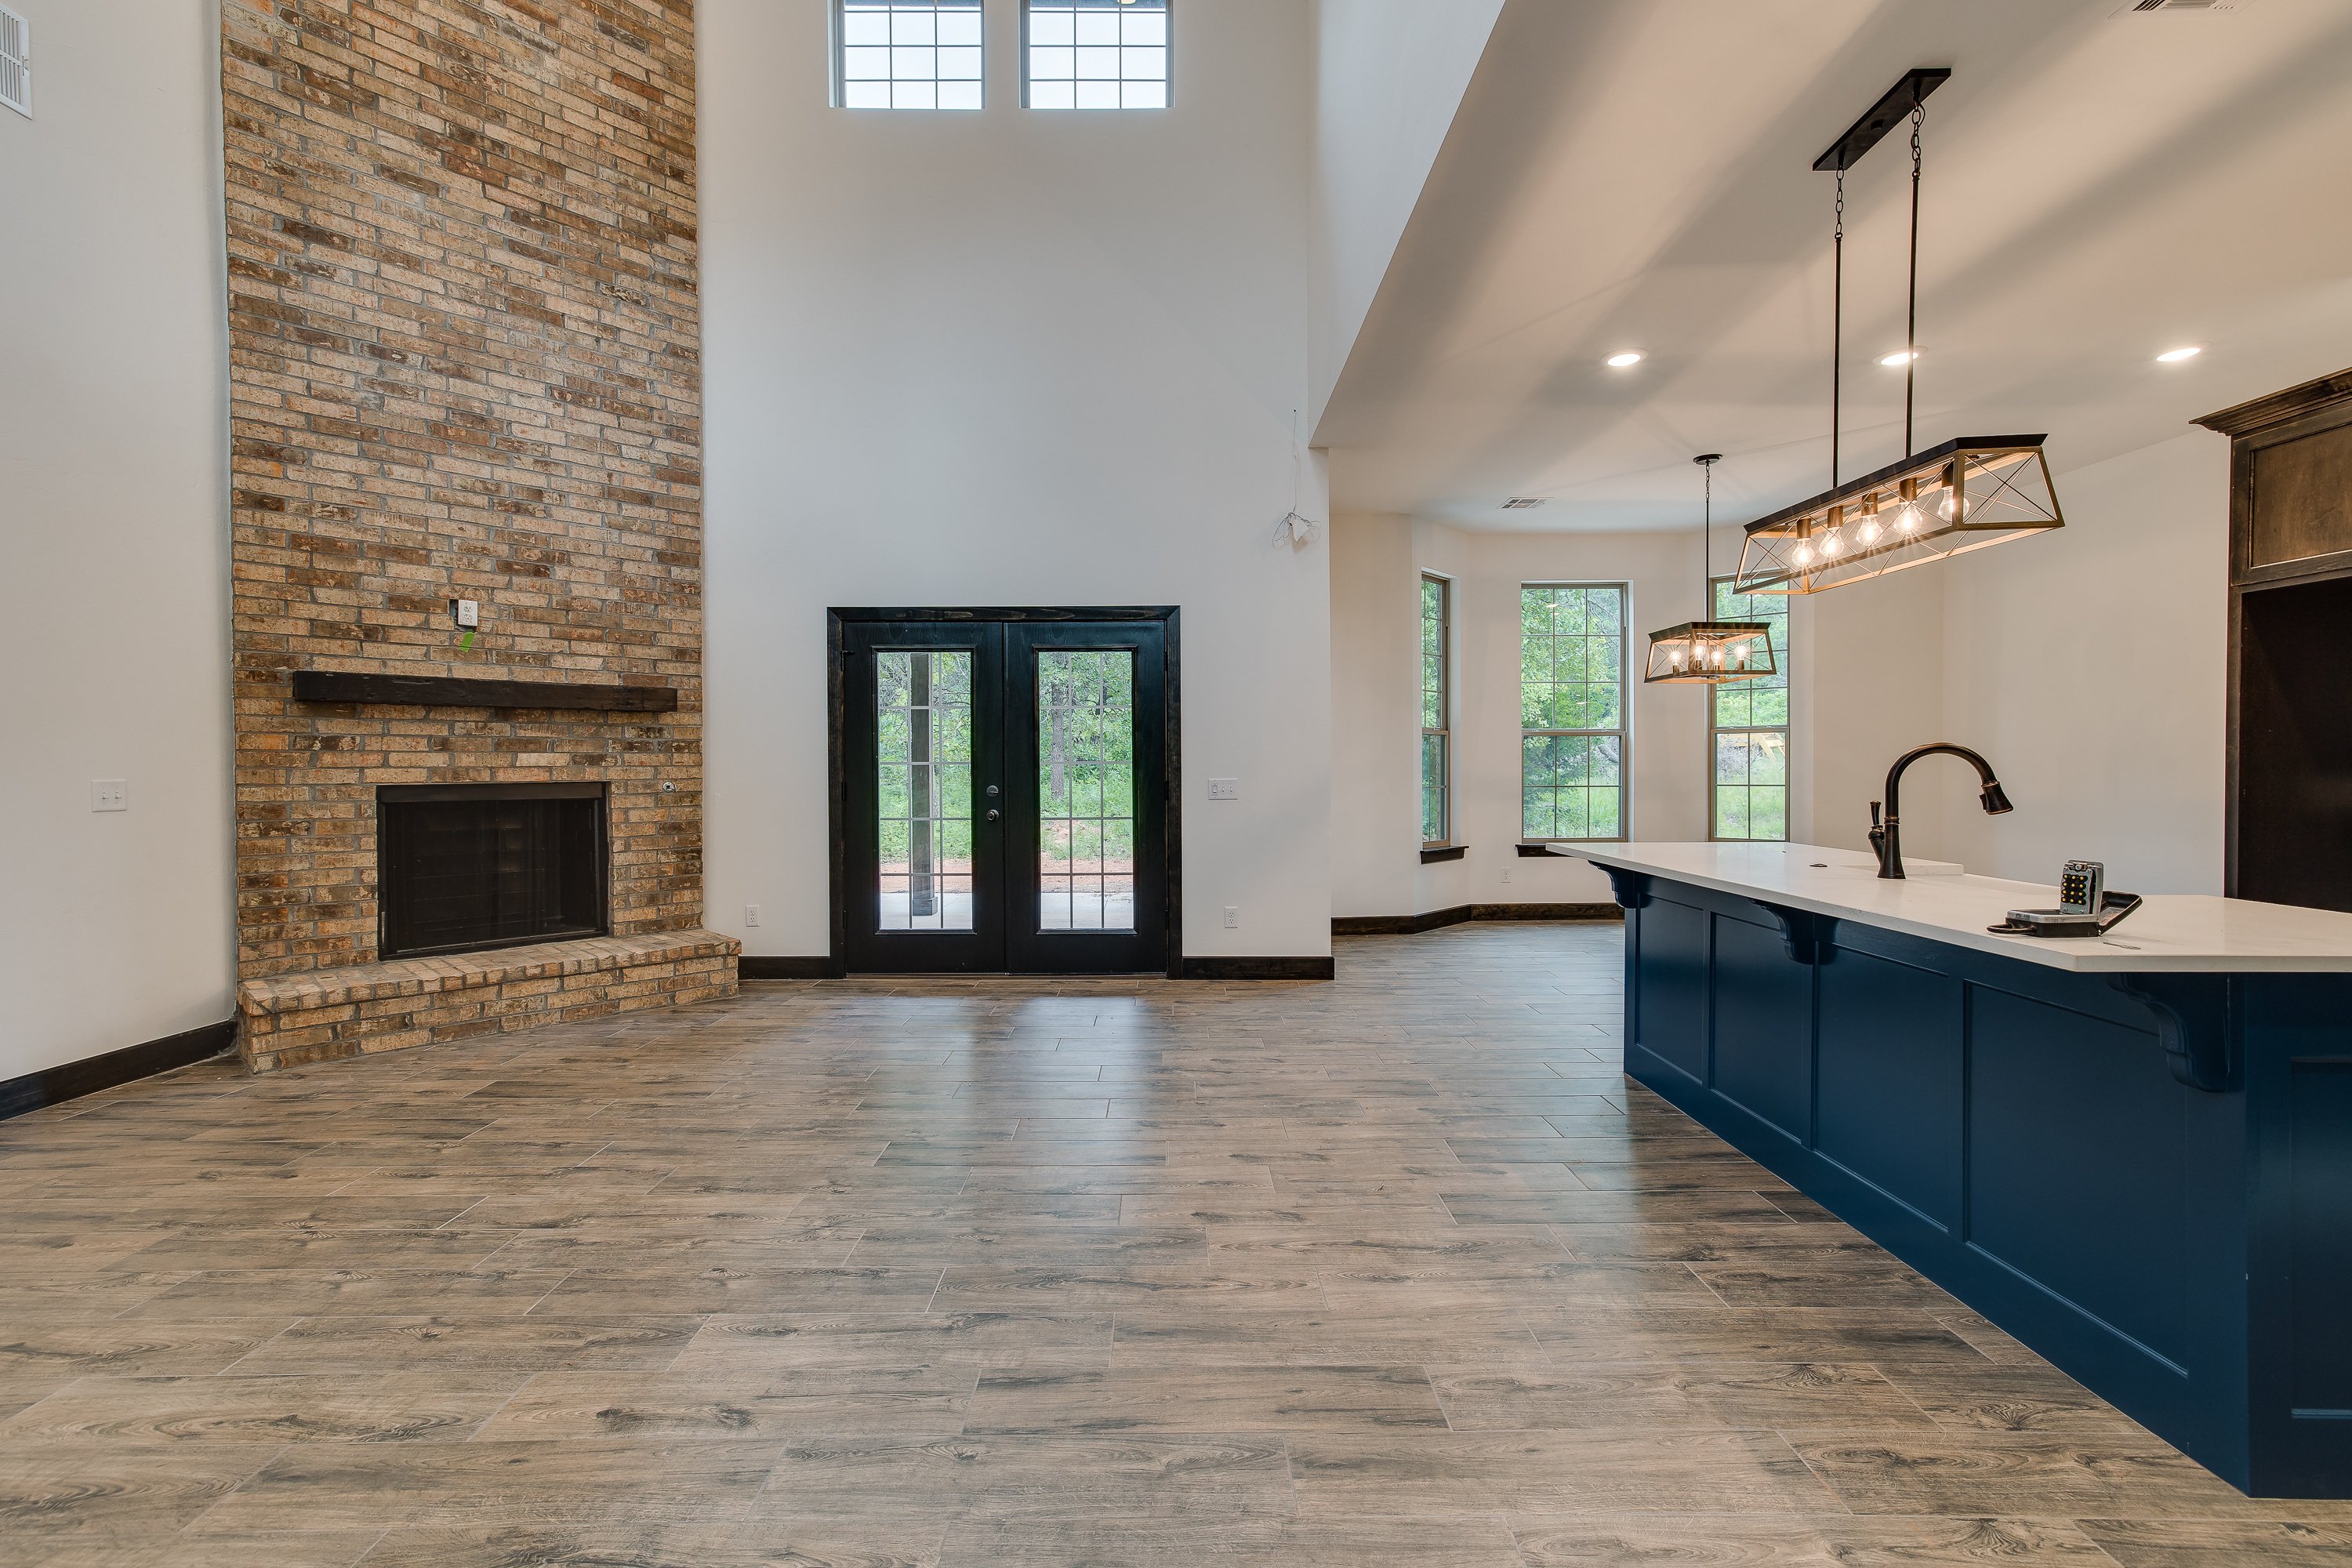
{"x": 1896, "y": 1384}
{"x": 268, "y": 1457}
{"x": 1819, "y": 1478}
{"x": 520, "y": 1390}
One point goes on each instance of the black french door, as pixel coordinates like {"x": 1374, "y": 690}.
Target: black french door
{"x": 1002, "y": 786}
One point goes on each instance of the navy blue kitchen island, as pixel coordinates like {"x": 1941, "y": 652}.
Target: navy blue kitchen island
{"x": 2134, "y": 1152}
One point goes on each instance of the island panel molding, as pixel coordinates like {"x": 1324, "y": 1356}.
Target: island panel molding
{"x": 2139, "y": 1173}
{"x": 465, "y": 335}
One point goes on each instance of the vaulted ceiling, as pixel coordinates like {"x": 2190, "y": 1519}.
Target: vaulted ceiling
{"x": 2100, "y": 185}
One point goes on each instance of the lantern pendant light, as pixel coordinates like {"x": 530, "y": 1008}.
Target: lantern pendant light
{"x": 1965, "y": 494}
{"x": 1709, "y": 652}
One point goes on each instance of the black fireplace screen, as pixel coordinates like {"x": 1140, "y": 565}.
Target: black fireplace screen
{"x": 463, "y": 867}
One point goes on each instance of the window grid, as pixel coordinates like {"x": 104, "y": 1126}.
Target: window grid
{"x": 907, "y": 53}
{"x": 922, "y": 715}
{"x": 1748, "y": 731}
{"x": 1572, "y": 711}
{"x": 1085, "y": 790}
{"x": 1096, "y": 53}
{"x": 1436, "y": 711}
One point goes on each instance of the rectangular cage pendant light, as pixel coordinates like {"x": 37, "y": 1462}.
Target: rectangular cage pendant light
{"x": 1712, "y": 652}
{"x": 1966, "y": 494}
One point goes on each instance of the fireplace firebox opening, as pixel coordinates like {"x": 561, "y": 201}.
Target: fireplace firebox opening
{"x": 461, "y": 867}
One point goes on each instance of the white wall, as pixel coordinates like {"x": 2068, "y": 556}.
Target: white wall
{"x": 2088, "y": 665}
{"x": 1018, "y": 358}
{"x": 1375, "y": 714}
{"x": 115, "y": 929}
{"x": 1389, "y": 74}
{"x": 1376, "y": 797}
{"x": 2091, "y": 667}
{"x": 1866, "y": 685}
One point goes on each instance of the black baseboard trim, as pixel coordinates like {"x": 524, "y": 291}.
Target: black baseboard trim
{"x": 1258, "y": 969}
{"x": 749, "y": 967}
{"x": 71, "y": 1080}
{"x": 1462, "y": 914}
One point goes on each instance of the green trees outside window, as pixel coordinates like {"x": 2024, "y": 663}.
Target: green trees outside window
{"x": 1573, "y": 710}
{"x": 1436, "y": 711}
{"x": 1748, "y": 730}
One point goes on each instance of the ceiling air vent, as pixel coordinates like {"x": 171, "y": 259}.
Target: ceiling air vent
{"x": 16, "y": 62}
{"x": 2134, "y": 7}
{"x": 1523, "y": 503}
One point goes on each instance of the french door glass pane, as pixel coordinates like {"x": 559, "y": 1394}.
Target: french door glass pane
{"x": 1085, "y": 790}
{"x": 923, "y": 751}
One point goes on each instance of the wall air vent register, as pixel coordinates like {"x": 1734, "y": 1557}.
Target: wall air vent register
{"x": 16, "y": 62}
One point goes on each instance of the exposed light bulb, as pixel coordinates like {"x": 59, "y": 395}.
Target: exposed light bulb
{"x": 1907, "y": 520}
{"x": 1831, "y": 544}
{"x": 1900, "y": 356}
{"x": 1804, "y": 554}
{"x": 2174, "y": 356}
{"x": 1870, "y": 530}
{"x": 1951, "y": 506}
{"x": 1621, "y": 361}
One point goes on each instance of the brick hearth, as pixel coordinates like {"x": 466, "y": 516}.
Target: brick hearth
{"x": 289, "y": 1019}
{"x": 464, "y": 364}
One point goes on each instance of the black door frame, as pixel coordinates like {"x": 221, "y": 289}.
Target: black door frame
{"x": 838, "y": 619}
{"x": 981, "y": 950}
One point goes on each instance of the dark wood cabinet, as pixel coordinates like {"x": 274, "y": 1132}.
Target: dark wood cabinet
{"x": 2290, "y": 741}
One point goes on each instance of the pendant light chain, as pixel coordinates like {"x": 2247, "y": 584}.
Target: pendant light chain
{"x": 1837, "y": 325}
{"x": 1706, "y": 462}
{"x": 1911, "y": 320}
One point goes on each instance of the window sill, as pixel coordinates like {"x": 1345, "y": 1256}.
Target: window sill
{"x": 1444, "y": 852}
{"x": 1560, "y": 850}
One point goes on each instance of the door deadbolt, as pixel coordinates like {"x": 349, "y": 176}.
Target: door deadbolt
{"x": 992, "y": 814}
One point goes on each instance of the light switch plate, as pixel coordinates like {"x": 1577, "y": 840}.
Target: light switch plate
{"x": 1225, "y": 789}
{"x": 110, "y": 795}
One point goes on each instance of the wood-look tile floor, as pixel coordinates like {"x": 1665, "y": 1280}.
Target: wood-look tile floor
{"x": 1027, "y": 1274}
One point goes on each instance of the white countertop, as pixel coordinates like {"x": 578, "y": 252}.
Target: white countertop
{"x": 2170, "y": 933}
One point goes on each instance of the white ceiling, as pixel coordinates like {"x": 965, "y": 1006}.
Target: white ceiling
{"x": 1637, "y": 175}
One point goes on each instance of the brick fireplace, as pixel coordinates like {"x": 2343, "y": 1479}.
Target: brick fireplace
{"x": 464, "y": 332}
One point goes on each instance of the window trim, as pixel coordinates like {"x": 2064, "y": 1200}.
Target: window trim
{"x": 838, "y": 96}
{"x": 1623, "y": 731}
{"x": 1169, "y": 8}
{"x": 1445, "y": 730}
{"x": 1780, "y": 658}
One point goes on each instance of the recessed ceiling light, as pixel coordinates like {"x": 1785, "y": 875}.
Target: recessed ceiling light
{"x": 1618, "y": 362}
{"x": 2174, "y": 356}
{"x": 1900, "y": 356}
